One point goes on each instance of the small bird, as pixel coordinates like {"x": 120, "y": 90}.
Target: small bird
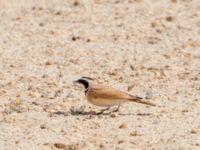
{"x": 106, "y": 96}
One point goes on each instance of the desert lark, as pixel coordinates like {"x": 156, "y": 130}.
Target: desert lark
{"x": 106, "y": 96}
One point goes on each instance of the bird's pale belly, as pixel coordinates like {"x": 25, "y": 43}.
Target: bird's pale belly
{"x": 105, "y": 102}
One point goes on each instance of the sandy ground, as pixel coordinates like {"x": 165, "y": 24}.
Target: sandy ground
{"x": 150, "y": 48}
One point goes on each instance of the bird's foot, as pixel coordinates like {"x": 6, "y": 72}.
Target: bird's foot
{"x": 102, "y": 111}
{"x": 116, "y": 110}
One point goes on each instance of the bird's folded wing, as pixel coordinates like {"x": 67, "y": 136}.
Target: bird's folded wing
{"x": 108, "y": 93}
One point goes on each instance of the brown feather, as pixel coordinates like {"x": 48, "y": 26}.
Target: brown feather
{"x": 107, "y": 95}
{"x": 139, "y": 100}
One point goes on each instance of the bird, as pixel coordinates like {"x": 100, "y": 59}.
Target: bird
{"x": 106, "y": 96}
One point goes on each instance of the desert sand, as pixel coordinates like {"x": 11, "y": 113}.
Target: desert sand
{"x": 148, "y": 48}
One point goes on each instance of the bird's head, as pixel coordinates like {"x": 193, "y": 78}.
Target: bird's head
{"x": 84, "y": 81}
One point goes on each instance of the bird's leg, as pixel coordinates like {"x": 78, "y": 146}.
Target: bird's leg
{"x": 103, "y": 110}
{"x": 116, "y": 110}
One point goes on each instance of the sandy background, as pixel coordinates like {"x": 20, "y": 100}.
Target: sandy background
{"x": 150, "y": 48}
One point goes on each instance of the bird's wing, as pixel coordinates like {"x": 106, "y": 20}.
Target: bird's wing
{"x": 108, "y": 93}
{"x": 114, "y": 94}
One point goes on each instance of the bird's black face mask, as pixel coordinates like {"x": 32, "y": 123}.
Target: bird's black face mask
{"x": 84, "y": 82}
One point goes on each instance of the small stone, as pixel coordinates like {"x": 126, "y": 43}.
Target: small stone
{"x": 185, "y": 110}
{"x": 41, "y": 24}
{"x": 88, "y": 40}
{"x": 101, "y": 145}
{"x": 74, "y": 38}
{"x": 42, "y": 126}
{"x": 123, "y": 126}
{"x": 132, "y": 67}
{"x": 40, "y": 8}
{"x": 113, "y": 115}
{"x": 135, "y": 133}
{"x": 169, "y": 18}
{"x": 173, "y": 1}
{"x": 197, "y": 144}
{"x": 58, "y": 13}
{"x": 18, "y": 102}
{"x": 48, "y": 63}
{"x": 76, "y": 3}
{"x": 60, "y": 145}
{"x": 193, "y": 131}
{"x": 35, "y": 103}
{"x": 134, "y": 143}
{"x": 112, "y": 73}
{"x": 121, "y": 141}
{"x": 33, "y": 8}
{"x": 153, "y": 24}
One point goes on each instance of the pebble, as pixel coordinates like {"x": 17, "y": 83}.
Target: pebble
{"x": 42, "y": 126}
{"x": 193, "y": 131}
{"x": 135, "y": 133}
{"x": 121, "y": 141}
{"x": 60, "y": 145}
{"x": 113, "y": 115}
{"x": 123, "y": 126}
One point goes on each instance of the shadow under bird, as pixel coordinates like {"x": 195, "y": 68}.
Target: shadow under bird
{"x": 106, "y": 96}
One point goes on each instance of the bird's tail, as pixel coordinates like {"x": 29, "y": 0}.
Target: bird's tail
{"x": 140, "y": 100}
